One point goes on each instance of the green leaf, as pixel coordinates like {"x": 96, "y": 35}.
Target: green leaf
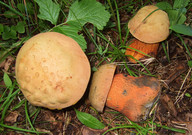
{"x": 9, "y": 33}
{"x": 7, "y": 80}
{"x": 182, "y": 29}
{"x": 88, "y": 120}
{"x": 20, "y": 27}
{"x": 88, "y": 11}
{"x": 175, "y": 17}
{"x": 180, "y": 4}
{"x": 48, "y": 10}
{"x": 188, "y": 95}
{"x": 164, "y": 5}
{"x": 72, "y": 32}
{"x": 190, "y": 63}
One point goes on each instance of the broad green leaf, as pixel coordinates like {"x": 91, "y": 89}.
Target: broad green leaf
{"x": 73, "y": 33}
{"x": 182, "y": 29}
{"x": 164, "y": 5}
{"x": 88, "y": 120}
{"x": 175, "y": 17}
{"x": 88, "y": 11}
{"x": 7, "y": 80}
{"x": 180, "y": 4}
{"x": 48, "y": 10}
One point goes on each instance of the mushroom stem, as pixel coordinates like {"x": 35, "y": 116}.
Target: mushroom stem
{"x": 141, "y": 50}
{"x": 133, "y": 96}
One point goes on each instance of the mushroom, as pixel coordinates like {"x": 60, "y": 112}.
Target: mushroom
{"x": 140, "y": 50}
{"x": 100, "y": 86}
{"x": 149, "y": 25}
{"x": 52, "y": 70}
{"x": 132, "y": 96}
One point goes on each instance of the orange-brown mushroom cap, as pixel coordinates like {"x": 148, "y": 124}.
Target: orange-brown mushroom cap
{"x": 100, "y": 86}
{"x": 52, "y": 70}
{"x": 150, "y": 25}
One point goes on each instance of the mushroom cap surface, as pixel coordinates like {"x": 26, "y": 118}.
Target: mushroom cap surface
{"x": 150, "y": 25}
{"x": 100, "y": 86}
{"x": 52, "y": 70}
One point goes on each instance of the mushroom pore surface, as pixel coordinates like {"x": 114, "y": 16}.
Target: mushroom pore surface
{"x": 52, "y": 70}
{"x": 150, "y": 25}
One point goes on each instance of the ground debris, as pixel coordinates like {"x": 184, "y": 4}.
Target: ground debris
{"x": 12, "y": 117}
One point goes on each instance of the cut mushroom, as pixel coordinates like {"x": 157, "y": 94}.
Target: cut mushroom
{"x": 52, "y": 70}
{"x": 100, "y": 86}
{"x": 132, "y": 96}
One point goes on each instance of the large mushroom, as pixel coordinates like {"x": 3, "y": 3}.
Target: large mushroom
{"x": 150, "y": 25}
{"x": 52, "y": 70}
{"x": 132, "y": 96}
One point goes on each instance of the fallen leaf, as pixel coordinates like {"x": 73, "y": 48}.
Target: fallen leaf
{"x": 7, "y": 63}
{"x": 169, "y": 105}
{"x": 12, "y": 117}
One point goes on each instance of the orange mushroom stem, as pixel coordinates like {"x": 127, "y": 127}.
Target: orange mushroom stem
{"x": 133, "y": 96}
{"x": 141, "y": 50}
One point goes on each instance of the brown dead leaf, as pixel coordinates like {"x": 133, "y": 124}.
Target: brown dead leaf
{"x": 12, "y": 117}
{"x": 89, "y": 131}
{"x": 180, "y": 68}
{"x": 7, "y": 63}
{"x": 168, "y": 104}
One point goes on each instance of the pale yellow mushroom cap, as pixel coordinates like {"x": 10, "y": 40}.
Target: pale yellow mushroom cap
{"x": 100, "y": 86}
{"x": 148, "y": 26}
{"x": 52, "y": 70}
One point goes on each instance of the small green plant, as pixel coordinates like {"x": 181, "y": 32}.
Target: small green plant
{"x": 6, "y": 100}
{"x": 11, "y": 32}
{"x": 77, "y": 17}
{"x": 89, "y": 121}
{"x": 177, "y": 15}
